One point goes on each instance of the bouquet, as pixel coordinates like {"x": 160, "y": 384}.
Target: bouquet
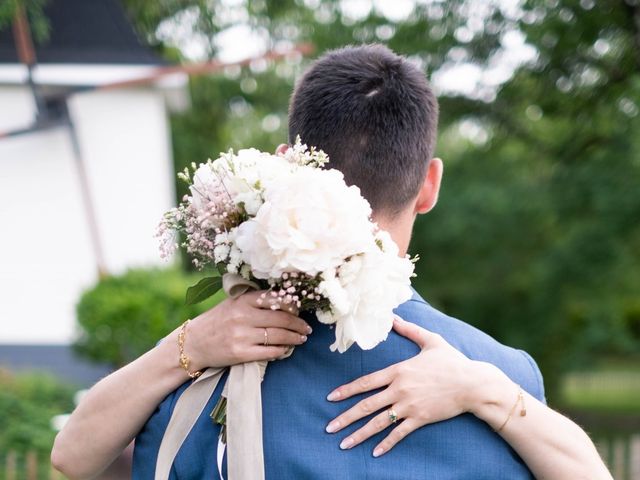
{"x": 294, "y": 228}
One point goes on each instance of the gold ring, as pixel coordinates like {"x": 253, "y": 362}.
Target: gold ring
{"x": 393, "y": 416}
{"x": 266, "y": 338}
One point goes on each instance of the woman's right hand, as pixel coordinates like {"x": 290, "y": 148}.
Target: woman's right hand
{"x": 234, "y": 332}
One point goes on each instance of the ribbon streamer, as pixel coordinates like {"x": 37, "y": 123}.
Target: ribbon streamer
{"x": 245, "y": 456}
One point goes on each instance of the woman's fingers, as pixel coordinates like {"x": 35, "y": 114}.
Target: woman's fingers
{"x": 361, "y": 409}
{"x": 270, "y": 317}
{"x": 418, "y": 335}
{"x": 403, "y": 429}
{"x": 363, "y": 384}
{"x": 375, "y": 425}
{"x": 277, "y": 336}
{"x": 277, "y": 319}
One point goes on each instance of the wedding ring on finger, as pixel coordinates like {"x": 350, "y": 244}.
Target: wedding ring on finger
{"x": 266, "y": 338}
{"x": 393, "y": 416}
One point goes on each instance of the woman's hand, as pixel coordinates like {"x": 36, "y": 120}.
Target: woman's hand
{"x": 240, "y": 330}
{"x": 435, "y": 385}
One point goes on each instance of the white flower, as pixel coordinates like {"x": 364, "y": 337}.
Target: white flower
{"x": 207, "y": 187}
{"x": 388, "y": 245}
{"x": 250, "y": 173}
{"x": 250, "y": 200}
{"x": 237, "y": 179}
{"x": 221, "y": 253}
{"x": 300, "y": 154}
{"x": 375, "y": 283}
{"x": 235, "y": 257}
{"x": 224, "y": 237}
{"x": 332, "y": 289}
{"x": 310, "y": 222}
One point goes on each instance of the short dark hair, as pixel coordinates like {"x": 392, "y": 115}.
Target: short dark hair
{"x": 375, "y": 115}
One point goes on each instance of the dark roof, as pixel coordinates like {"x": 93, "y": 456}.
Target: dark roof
{"x": 58, "y": 360}
{"x": 85, "y": 31}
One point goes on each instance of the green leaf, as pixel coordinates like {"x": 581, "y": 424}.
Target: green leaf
{"x": 202, "y": 290}
{"x": 222, "y": 268}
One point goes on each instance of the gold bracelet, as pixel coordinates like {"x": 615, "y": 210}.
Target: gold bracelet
{"x": 523, "y": 410}
{"x": 184, "y": 360}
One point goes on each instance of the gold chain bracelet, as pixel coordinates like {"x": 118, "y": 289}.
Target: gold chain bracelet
{"x": 184, "y": 360}
{"x": 523, "y": 410}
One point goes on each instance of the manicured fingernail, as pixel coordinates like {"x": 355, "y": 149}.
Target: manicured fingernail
{"x": 309, "y": 329}
{"x": 346, "y": 443}
{"x": 303, "y": 338}
{"x": 333, "y": 396}
{"x": 378, "y": 451}
{"x": 332, "y": 427}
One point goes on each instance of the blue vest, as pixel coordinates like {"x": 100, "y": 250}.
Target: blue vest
{"x": 295, "y": 413}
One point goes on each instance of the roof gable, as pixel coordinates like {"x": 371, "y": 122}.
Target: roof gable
{"x": 85, "y": 32}
{"x": 58, "y": 360}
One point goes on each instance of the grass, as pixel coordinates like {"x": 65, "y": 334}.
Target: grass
{"x": 613, "y": 386}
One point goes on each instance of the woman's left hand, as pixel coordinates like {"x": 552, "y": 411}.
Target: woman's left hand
{"x": 437, "y": 384}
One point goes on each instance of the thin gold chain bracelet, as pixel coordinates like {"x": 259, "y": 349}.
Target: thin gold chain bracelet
{"x": 523, "y": 410}
{"x": 184, "y": 360}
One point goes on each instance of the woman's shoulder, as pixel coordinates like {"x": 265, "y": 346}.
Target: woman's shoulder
{"x": 476, "y": 344}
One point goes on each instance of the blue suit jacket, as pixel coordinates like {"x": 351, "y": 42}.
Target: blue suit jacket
{"x": 295, "y": 413}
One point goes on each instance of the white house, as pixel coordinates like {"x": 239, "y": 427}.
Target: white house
{"x": 46, "y": 254}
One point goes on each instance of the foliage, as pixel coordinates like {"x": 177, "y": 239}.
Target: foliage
{"x": 536, "y": 235}
{"x": 28, "y": 402}
{"x": 124, "y": 316}
{"x": 35, "y": 13}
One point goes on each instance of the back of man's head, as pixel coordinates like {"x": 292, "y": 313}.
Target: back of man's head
{"x": 375, "y": 115}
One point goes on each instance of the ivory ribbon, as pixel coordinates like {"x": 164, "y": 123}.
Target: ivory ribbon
{"x": 245, "y": 458}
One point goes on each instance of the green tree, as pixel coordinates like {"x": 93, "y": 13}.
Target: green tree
{"x": 124, "y": 316}
{"x": 536, "y": 236}
{"x": 28, "y": 403}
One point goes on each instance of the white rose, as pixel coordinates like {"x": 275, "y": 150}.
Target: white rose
{"x": 375, "y": 283}
{"x": 310, "y": 222}
{"x": 253, "y": 171}
{"x": 251, "y": 200}
{"x": 238, "y": 179}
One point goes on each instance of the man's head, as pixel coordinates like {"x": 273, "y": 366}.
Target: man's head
{"x": 375, "y": 115}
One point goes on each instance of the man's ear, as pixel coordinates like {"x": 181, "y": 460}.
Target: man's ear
{"x": 428, "y": 195}
{"x": 282, "y": 148}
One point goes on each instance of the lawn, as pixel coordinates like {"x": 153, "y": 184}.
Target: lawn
{"x": 612, "y": 386}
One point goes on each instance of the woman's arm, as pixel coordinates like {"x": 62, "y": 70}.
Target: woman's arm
{"x": 116, "y": 408}
{"x": 552, "y": 446}
{"x": 440, "y": 383}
